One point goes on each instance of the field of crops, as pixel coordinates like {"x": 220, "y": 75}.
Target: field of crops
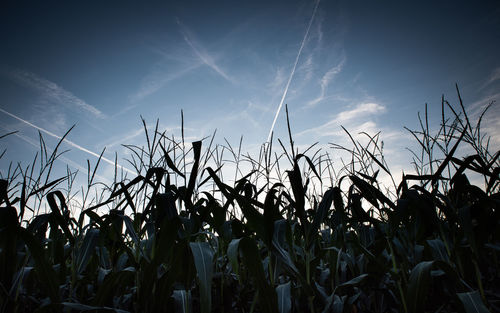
{"x": 311, "y": 237}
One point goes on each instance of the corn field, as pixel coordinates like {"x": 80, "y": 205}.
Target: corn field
{"x": 313, "y": 237}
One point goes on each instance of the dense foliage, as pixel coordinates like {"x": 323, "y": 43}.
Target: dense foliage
{"x": 283, "y": 246}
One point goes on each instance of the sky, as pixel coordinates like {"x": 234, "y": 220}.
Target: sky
{"x": 231, "y": 66}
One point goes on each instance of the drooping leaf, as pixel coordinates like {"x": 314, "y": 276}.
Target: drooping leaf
{"x": 338, "y": 304}
{"x": 271, "y": 213}
{"x": 255, "y": 220}
{"x": 355, "y": 281}
{"x": 299, "y": 193}
{"x": 284, "y": 298}
{"x": 42, "y": 267}
{"x": 129, "y": 225}
{"x": 442, "y": 166}
{"x": 171, "y": 163}
{"x": 87, "y": 249}
{"x": 311, "y": 164}
{"x": 334, "y": 304}
{"x": 182, "y": 300}
{"x": 203, "y": 261}
{"x": 464, "y": 216}
{"x": 280, "y": 229}
{"x": 418, "y": 285}
{"x": 253, "y": 263}
{"x": 47, "y": 186}
{"x": 164, "y": 207}
{"x": 472, "y": 302}
{"x": 118, "y": 192}
{"x": 128, "y": 197}
{"x": 109, "y": 287}
{"x": 371, "y": 193}
{"x": 438, "y": 250}
{"x": 378, "y": 162}
{"x": 321, "y": 212}
{"x": 232, "y": 254}
{"x": 338, "y": 204}
{"x": 56, "y": 211}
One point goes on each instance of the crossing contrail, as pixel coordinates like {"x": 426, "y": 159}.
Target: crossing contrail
{"x": 69, "y": 142}
{"x": 293, "y": 71}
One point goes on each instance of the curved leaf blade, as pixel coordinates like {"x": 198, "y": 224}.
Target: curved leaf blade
{"x": 472, "y": 302}
{"x": 420, "y": 279}
{"x": 203, "y": 259}
{"x": 232, "y": 254}
{"x": 87, "y": 249}
{"x": 284, "y": 298}
{"x": 252, "y": 261}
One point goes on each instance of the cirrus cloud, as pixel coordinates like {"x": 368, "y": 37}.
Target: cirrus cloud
{"x": 346, "y": 118}
{"x": 53, "y": 92}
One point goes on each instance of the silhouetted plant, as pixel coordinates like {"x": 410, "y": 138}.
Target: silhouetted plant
{"x": 316, "y": 237}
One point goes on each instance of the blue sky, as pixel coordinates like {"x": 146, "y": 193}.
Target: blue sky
{"x": 366, "y": 66}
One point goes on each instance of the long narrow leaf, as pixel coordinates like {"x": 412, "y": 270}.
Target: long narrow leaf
{"x": 232, "y": 254}
{"x": 182, "y": 300}
{"x": 420, "y": 280}
{"x": 472, "y": 302}
{"x": 284, "y": 298}
{"x": 203, "y": 261}
{"x": 43, "y": 269}
{"x": 251, "y": 259}
{"x": 87, "y": 249}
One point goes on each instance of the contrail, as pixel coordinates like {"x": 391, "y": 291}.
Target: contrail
{"x": 69, "y": 142}
{"x": 293, "y": 72}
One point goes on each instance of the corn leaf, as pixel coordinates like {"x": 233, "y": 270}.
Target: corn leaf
{"x": 438, "y": 250}
{"x": 418, "y": 285}
{"x": 203, "y": 261}
{"x": 232, "y": 254}
{"x": 253, "y": 263}
{"x": 284, "y": 298}
{"x": 87, "y": 249}
{"x": 182, "y": 300}
{"x": 472, "y": 302}
{"x": 43, "y": 268}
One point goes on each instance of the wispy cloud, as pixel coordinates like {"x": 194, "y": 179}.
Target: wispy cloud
{"x": 278, "y": 80}
{"x": 494, "y": 76}
{"x": 312, "y": 52}
{"x": 360, "y": 110}
{"x": 348, "y": 118}
{"x": 53, "y": 92}
{"x": 161, "y": 74}
{"x": 257, "y": 106}
{"x": 201, "y": 52}
{"x": 325, "y": 81}
{"x": 246, "y": 115}
{"x": 307, "y": 67}
{"x": 156, "y": 80}
{"x": 491, "y": 121}
{"x": 124, "y": 138}
{"x": 69, "y": 142}
{"x": 478, "y": 106}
